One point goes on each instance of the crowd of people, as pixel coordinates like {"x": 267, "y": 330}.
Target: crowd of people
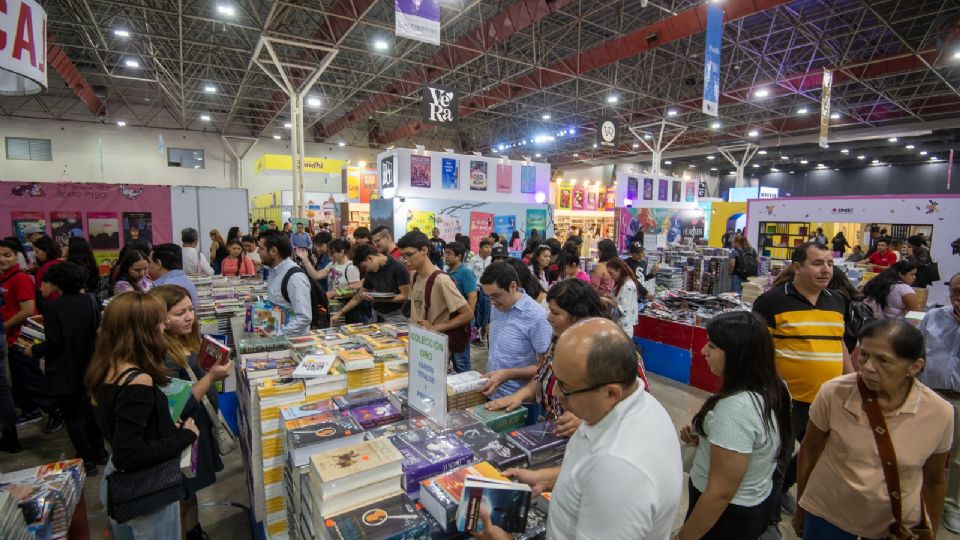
{"x": 798, "y": 369}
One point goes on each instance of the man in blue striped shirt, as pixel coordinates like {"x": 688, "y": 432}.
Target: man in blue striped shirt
{"x": 519, "y": 332}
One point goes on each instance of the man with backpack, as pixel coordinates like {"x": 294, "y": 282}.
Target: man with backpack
{"x": 744, "y": 263}
{"x": 287, "y": 284}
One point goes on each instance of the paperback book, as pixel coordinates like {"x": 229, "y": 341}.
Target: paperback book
{"x": 322, "y": 436}
{"x": 212, "y": 352}
{"x": 489, "y": 445}
{"x": 375, "y": 414}
{"x": 314, "y": 365}
{"x": 506, "y": 502}
{"x": 394, "y": 518}
{"x": 356, "y": 399}
{"x": 500, "y": 421}
{"x": 441, "y": 494}
{"x": 178, "y": 392}
{"x": 539, "y": 444}
{"x": 427, "y": 453}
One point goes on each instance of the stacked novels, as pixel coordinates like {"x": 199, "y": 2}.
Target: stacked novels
{"x": 398, "y": 398}
{"x": 396, "y": 370}
{"x": 440, "y": 495}
{"x": 11, "y": 518}
{"x": 670, "y": 277}
{"x": 219, "y": 298}
{"x": 31, "y": 332}
{"x": 463, "y": 390}
{"x": 350, "y": 477}
{"x": 395, "y": 517}
{"x": 539, "y": 444}
{"x": 370, "y": 407}
{"x": 334, "y": 383}
{"x": 383, "y": 344}
{"x": 262, "y": 344}
{"x": 268, "y": 364}
{"x": 396, "y": 330}
{"x": 362, "y": 370}
{"x": 427, "y": 453}
{"x": 500, "y": 421}
{"x": 490, "y": 446}
{"x": 46, "y": 495}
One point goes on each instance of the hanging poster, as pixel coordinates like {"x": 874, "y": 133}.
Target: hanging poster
{"x": 64, "y": 225}
{"x": 381, "y": 213}
{"x": 478, "y": 175}
{"x": 691, "y": 191}
{"x": 450, "y": 172}
{"x": 610, "y": 199}
{"x": 449, "y": 227}
{"x": 504, "y": 178}
{"x": 579, "y": 197}
{"x": 663, "y": 186}
{"x": 23, "y": 221}
{"x": 387, "y": 173}
{"x": 137, "y": 226}
{"x": 481, "y": 225}
{"x": 631, "y": 188}
{"x": 440, "y": 106}
{"x": 425, "y": 220}
{"x": 675, "y": 224}
{"x": 675, "y": 192}
{"x": 537, "y": 221}
{"x": 826, "y": 88}
{"x": 711, "y": 59}
{"x": 528, "y": 179}
{"x": 420, "y": 171}
{"x": 104, "y": 230}
{"x": 504, "y": 226}
{"x": 592, "y": 200}
{"x": 565, "y": 194}
{"x": 419, "y": 20}
{"x": 648, "y": 189}
{"x": 353, "y": 187}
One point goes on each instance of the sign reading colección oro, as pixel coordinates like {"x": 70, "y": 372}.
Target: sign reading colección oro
{"x": 23, "y": 48}
{"x": 427, "y": 389}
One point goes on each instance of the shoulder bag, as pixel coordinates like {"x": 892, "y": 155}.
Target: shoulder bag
{"x": 134, "y": 494}
{"x": 226, "y": 441}
{"x": 891, "y": 471}
{"x": 458, "y": 337}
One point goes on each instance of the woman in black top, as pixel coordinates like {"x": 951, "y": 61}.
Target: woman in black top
{"x": 182, "y": 335}
{"x": 70, "y": 329}
{"x": 124, "y": 380}
{"x": 80, "y": 253}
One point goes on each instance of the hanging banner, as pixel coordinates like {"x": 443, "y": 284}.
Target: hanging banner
{"x": 449, "y": 227}
{"x": 675, "y": 191}
{"x": 663, "y": 186}
{"x": 23, "y": 48}
{"x": 579, "y": 197}
{"x": 591, "y": 200}
{"x": 420, "y": 171}
{"x": 425, "y": 220}
{"x": 528, "y": 179}
{"x": 419, "y": 20}
{"x": 825, "y": 107}
{"x": 648, "y": 189}
{"x": 387, "y": 173}
{"x": 631, "y": 188}
{"x": 711, "y": 59}
{"x": 537, "y": 220}
{"x": 606, "y": 132}
{"x": 610, "y": 198}
{"x": 368, "y": 186}
{"x": 504, "y": 178}
{"x": 504, "y": 226}
{"x": 691, "y": 193}
{"x": 564, "y": 196}
{"x": 440, "y": 106}
{"x": 451, "y": 173}
{"x": 481, "y": 225}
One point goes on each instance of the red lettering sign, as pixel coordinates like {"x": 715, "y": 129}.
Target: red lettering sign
{"x": 21, "y": 43}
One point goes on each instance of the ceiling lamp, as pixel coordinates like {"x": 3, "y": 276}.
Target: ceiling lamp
{"x": 861, "y": 157}
{"x": 131, "y": 63}
{"x": 121, "y": 123}
{"x": 762, "y": 152}
{"x": 756, "y": 166}
{"x": 226, "y": 10}
{"x": 785, "y": 158}
{"x": 313, "y": 102}
{"x": 892, "y": 139}
{"x": 711, "y": 157}
{"x": 210, "y": 89}
{"x": 545, "y": 116}
{"x": 381, "y": 45}
{"x": 287, "y": 125}
{"x": 668, "y": 162}
{"x": 277, "y": 137}
{"x": 762, "y": 93}
{"x": 119, "y": 32}
{"x": 715, "y": 125}
{"x": 802, "y": 110}
{"x": 672, "y": 112}
{"x": 835, "y": 116}
{"x": 923, "y": 153}
{"x": 341, "y": 143}
{"x": 753, "y": 133}
{"x": 804, "y": 162}
{"x": 205, "y": 117}
{"x": 910, "y": 147}
{"x": 613, "y": 98}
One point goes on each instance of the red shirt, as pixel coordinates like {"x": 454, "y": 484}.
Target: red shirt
{"x": 15, "y": 289}
{"x": 882, "y": 259}
{"x": 396, "y": 254}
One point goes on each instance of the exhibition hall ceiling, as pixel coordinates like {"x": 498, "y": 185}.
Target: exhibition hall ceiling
{"x": 525, "y": 69}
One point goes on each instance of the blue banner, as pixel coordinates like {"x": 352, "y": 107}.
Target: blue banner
{"x": 711, "y": 61}
{"x": 418, "y": 19}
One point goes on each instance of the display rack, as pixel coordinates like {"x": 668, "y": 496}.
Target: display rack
{"x": 779, "y": 238}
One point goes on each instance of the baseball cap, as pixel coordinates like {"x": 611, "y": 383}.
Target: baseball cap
{"x": 499, "y": 251}
{"x": 636, "y": 247}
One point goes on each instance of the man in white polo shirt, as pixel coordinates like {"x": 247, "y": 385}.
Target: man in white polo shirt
{"x": 622, "y": 475}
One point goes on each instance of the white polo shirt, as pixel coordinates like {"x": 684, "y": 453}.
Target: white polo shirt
{"x": 621, "y": 478}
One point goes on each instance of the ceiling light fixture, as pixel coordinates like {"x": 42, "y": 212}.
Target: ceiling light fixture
{"x": 804, "y": 162}
{"x": 802, "y": 110}
{"x": 923, "y": 153}
{"x": 845, "y": 151}
{"x": 861, "y": 157}
{"x": 537, "y": 155}
{"x": 121, "y": 33}
{"x": 762, "y": 152}
{"x": 875, "y": 161}
{"x": 715, "y": 125}
{"x": 205, "y": 117}
{"x": 910, "y": 147}
{"x": 613, "y": 98}
{"x": 313, "y": 102}
{"x": 668, "y": 162}
{"x": 784, "y": 157}
{"x": 756, "y": 166}
{"x": 210, "y": 89}
{"x": 287, "y": 125}
{"x": 713, "y": 168}
{"x": 892, "y": 139}
{"x": 762, "y": 93}
{"x": 835, "y": 116}
{"x": 226, "y": 10}
{"x": 341, "y": 143}
{"x": 381, "y": 45}
{"x": 277, "y": 137}
{"x": 131, "y": 63}
{"x": 691, "y": 166}
{"x": 956, "y": 55}
{"x": 774, "y": 169}
{"x": 711, "y": 157}
{"x": 121, "y": 123}
{"x": 545, "y": 116}
{"x": 933, "y": 158}
{"x": 753, "y": 133}
{"x": 575, "y": 154}
{"x": 636, "y": 145}
{"x": 672, "y": 112}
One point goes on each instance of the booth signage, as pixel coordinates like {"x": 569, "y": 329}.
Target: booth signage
{"x": 711, "y": 57}
{"x": 607, "y": 132}
{"x": 440, "y": 105}
{"x": 702, "y": 189}
{"x": 278, "y": 162}
{"x": 825, "y": 108}
{"x": 427, "y": 351}
{"x": 23, "y": 48}
{"x": 419, "y": 20}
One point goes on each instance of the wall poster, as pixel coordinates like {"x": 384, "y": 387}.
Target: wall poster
{"x": 420, "y": 171}
{"x": 691, "y": 191}
{"x": 104, "y": 230}
{"x": 675, "y": 191}
{"x": 450, "y": 173}
{"x": 137, "y": 226}
{"x": 504, "y": 226}
{"x": 23, "y": 221}
{"x": 565, "y": 194}
{"x": 64, "y": 225}
{"x": 478, "y": 175}
{"x": 536, "y": 220}
{"x": 387, "y": 172}
{"x": 449, "y": 227}
{"x": 528, "y": 179}
{"x": 631, "y": 188}
{"x": 425, "y": 220}
{"x": 504, "y": 178}
{"x": 678, "y": 225}
{"x": 648, "y": 189}
{"x": 663, "y": 186}
{"x": 579, "y": 197}
{"x": 591, "y": 200}
{"x": 481, "y": 225}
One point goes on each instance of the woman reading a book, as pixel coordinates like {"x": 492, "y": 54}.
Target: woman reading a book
{"x": 237, "y": 263}
{"x": 182, "y": 337}
{"x": 124, "y": 380}
{"x": 569, "y": 301}
{"x": 739, "y": 433}
{"x": 131, "y": 273}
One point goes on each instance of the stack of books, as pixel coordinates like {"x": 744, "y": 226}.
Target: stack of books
{"x": 397, "y": 330}
{"x": 31, "y": 332}
{"x": 262, "y": 344}
{"x": 11, "y": 518}
{"x": 268, "y": 364}
{"x": 398, "y": 398}
{"x": 490, "y": 446}
{"x": 463, "y": 390}
{"x": 359, "y": 329}
{"x": 395, "y": 517}
{"x": 383, "y": 344}
{"x": 440, "y": 495}
{"x": 396, "y": 371}
{"x": 348, "y": 478}
{"x": 375, "y": 414}
{"x": 362, "y": 370}
{"x": 47, "y": 496}
{"x": 272, "y": 395}
{"x": 427, "y": 453}
{"x": 334, "y": 383}
{"x": 500, "y": 421}
{"x": 538, "y": 443}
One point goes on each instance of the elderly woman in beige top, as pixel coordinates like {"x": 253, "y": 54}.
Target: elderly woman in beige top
{"x": 840, "y": 484}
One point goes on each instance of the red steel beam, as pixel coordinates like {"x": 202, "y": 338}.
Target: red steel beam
{"x": 505, "y": 24}
{"x": 690, "y": 22}
{"x": 58, "y": 60}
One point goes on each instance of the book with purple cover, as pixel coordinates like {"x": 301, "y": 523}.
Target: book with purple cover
{"x": 375, "y": 414}
{"x": 488, "y": 445}
{"x": 539, "y": 444}
{"x": 427, "y": 453}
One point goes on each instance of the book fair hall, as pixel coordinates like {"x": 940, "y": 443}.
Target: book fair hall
{"x": 454, "y": 269}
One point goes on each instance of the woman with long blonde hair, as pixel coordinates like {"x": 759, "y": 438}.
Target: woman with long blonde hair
{"x": 182, "y": 337}
{"x": 124, "y": 379}
{"x": 218, "y": 250}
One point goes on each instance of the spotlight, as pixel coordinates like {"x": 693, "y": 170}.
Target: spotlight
{"x": 753, "y": 133}
{"x": 276, "y": 137}
{"x": 545, "y": 116}
{"x": 802, "y": 110}
{"x": 762, "y": 93}
{"x": 121, "y": 123}
{"x": 205, "y": 117}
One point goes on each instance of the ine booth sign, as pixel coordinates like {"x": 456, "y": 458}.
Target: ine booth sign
{"x": 23, "y": 48}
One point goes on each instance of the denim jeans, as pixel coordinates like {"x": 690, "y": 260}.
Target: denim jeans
{"x": 8, "y": 413}
{"x": 163, "y": 524}
{"x": 785, "y": 474}
{"x": 817, "y": 528}
{"x": 736, "y": 284}
{"x": 461, "y": 360}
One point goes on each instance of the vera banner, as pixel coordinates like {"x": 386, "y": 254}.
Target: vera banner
{"x": 678, "y": 225}
{"x": 711, "y": 57}
{"x": 23, "y": 48}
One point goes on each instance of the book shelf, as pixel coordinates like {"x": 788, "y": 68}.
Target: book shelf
{"x": 779, "y": 238}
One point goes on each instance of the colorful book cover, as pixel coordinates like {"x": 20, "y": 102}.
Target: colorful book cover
{"x": 212, "y": 352}
{"x": 507, "y": 504}
{"x": 452, "y": 482}
{"x": 490, "y": 446}
{"x": 631, "y": 187}
{"x": 379, "y": 414}
{"x": 478, "y": 175}
{"x": 427, "y": 453}
{"x": 450, "y": 172}
{"x": 565, "y": 196}
{"x": 591, "y": 200}
{"x": 394, "y": 518}
{"x": 322, "y": 432}
{"x": 420, "y": 171}
{"x": 314, "y": 365}
{"x": 500, "y": 421}
{"x": 663, "y": 185}
{"x": 354, "y": 459}
{"x": 357, "y": 399}
{"x": 648, "y": 189}
{"x": 178, "y": 392}
{"x": 294, "y": 412}
{"x": 579, "y": 197}
{"x": 539, "y": 443}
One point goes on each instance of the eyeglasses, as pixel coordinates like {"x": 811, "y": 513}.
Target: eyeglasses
{"x": 407, "y": 256}
{"x": 567, "y": 393}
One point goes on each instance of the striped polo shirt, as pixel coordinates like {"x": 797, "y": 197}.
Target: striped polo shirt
{"x": 807, "y": 338}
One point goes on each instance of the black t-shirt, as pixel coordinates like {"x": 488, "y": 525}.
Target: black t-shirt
{"x": 639, "y": 268}
{"x": 437, "y": 245}
{"x": 389, "y": 278}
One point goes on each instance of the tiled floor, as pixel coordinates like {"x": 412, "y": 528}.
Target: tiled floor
{"x": 226, "y": 522}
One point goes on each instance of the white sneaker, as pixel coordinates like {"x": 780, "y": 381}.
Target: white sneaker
{"x": 951, "y": 521}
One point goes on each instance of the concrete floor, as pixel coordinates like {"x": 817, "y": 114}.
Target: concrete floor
{"x": 223, "y": 521}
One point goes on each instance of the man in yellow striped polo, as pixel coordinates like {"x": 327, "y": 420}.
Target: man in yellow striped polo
{"x": 806, "y": 321}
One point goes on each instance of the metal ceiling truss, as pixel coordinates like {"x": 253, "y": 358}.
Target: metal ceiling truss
{"x": 512, "y": 61}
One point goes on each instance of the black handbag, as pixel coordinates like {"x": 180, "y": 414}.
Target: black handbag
{"x": 134, "y": 494}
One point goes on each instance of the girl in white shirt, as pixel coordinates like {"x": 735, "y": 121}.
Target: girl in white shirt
{"x": 625, "y": 295}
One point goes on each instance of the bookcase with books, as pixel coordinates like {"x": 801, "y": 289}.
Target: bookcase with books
{"x": 778, "y": 238}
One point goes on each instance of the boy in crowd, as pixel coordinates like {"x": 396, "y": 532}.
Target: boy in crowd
{"x": 466, "y": 283}
{"x": 384, "y": 275}
{"x": 383, "y": 241}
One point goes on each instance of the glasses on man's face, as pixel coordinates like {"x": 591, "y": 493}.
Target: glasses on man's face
{"x": 565, "y": 394}
{"x": 407, "y": 256}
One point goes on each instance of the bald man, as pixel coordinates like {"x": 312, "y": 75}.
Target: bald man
{"x": 622, "y": 474}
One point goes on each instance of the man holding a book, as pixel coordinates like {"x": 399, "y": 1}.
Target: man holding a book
{"x": 622, "y": 475}
{"x": 386, "y": 285}
{"x": 275, "y": 251}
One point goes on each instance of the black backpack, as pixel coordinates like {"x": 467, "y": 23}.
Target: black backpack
{"x": 319, "y": 304}
{"x": 747, "y": 263}
{"x": 859, "y": 313}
